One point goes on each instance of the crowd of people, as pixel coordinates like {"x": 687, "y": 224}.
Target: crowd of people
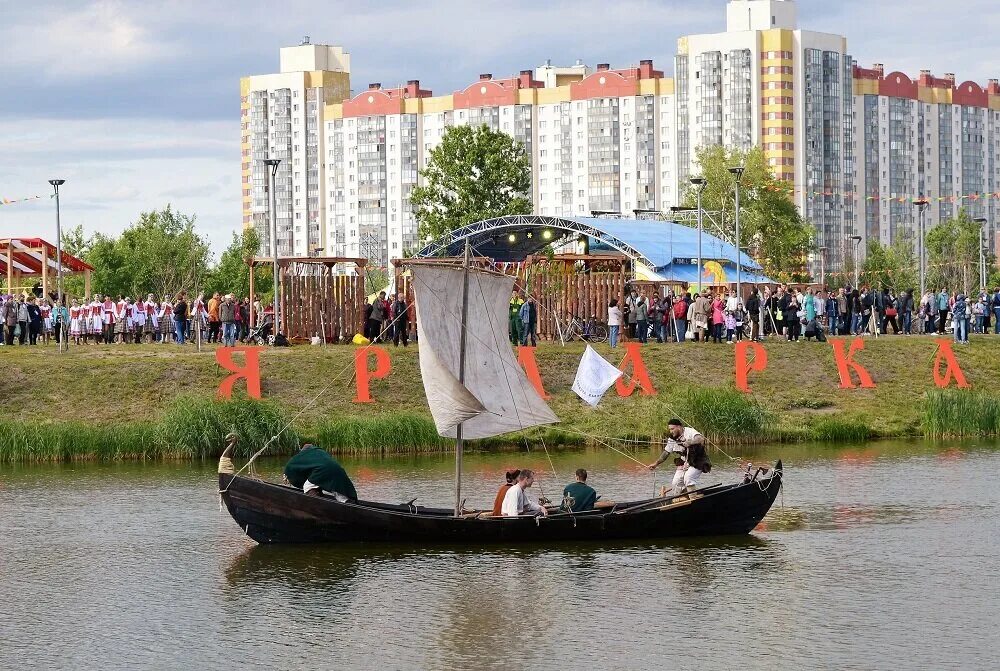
{"x": 29, "y": 319}
{"x": 793, "y": 313}
{"x": 388, "y": 320}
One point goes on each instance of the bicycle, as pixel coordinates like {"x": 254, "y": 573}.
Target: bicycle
{"x": 588, "y": 331}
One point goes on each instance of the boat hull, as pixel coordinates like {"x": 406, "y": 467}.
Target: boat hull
{"x": 272, "y": 513}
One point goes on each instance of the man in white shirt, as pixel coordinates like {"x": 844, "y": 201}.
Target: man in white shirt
{"x": 693, "y": 460}
{"x": 516, "y": 502}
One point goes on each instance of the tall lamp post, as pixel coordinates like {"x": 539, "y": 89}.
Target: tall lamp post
{"x": 700, "y": 183}
{"x": 921, "y": 204}
{"x": 63, "y": 330}
{"x": 737, "y": 172}
{"x": 272, "y": 163}
{"x": 857, "y": 245}
{"x": 982, "y": 252}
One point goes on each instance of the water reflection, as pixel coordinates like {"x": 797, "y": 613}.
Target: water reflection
{"x": 133, "y": 566}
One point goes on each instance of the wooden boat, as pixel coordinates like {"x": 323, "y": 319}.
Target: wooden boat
{"x": 476, "y": 389}
{"x": 273, "y": 513}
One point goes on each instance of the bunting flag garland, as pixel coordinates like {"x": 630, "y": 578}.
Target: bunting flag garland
{"x": 12, "y": 201}
{"x": 790, "y": 188}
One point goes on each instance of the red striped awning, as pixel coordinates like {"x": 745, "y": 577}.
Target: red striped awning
{"x": 26, "y": 255}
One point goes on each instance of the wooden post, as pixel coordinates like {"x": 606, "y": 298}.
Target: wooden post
{"x": 45, "y": 271}
{"x": 10, "y": 267}
{"x": 86, "y": 283}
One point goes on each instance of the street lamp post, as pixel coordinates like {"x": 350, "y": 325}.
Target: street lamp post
{"x": 982, "y": 252}
{"x": 63, "y": 330}
{"x": 737, "y": 172}
{"x": 857, "y": 244}
{"x": 700, "y": 183}
{"x": 921, "y": 204}
{"x": 272, "y": 163}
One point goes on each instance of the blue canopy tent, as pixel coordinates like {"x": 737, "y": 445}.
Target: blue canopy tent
{"x": 661, "y": 250}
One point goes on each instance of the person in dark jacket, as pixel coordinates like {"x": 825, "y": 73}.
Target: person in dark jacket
{"x": 789, "y": 315}
{"x": 34, "y": 321}
{"x": 904, "y": 306}
{"x": 753, "y": 312}
{"x": 401, "y": 320}
{"x": 314, "y": 471}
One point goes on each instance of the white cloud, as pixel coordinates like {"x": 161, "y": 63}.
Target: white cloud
{"x": 92, "y": 40}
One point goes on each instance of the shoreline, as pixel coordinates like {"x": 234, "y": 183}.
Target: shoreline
{"x": 157, "y": 402}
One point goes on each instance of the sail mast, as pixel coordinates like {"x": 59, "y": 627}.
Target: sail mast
{"x": 461, "y": 377}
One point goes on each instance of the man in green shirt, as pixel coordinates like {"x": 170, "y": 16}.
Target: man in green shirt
{"x": 583, "y": 495}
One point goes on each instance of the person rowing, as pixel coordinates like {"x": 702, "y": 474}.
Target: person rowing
{"x": 516, "y": 501}
{"x": 692, "y": 461}
{"x": 314, "y": 471}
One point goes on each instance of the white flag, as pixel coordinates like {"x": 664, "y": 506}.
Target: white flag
{"x": 594, "y": 377}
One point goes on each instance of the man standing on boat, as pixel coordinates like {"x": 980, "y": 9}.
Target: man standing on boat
{"x": 516, "y": 502}
{"x": 693, "y": 460}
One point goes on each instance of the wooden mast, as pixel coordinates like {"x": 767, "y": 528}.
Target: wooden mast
{"x": 461, "y": 377}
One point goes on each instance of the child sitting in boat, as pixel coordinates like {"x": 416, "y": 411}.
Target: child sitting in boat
{"x": 316, "y": 472}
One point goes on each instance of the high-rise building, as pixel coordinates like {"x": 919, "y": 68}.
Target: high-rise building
{"x": 282, "y": 118}
{"x": 924, "y": 137}
{"x": 855, "y": 146}
{"x": 766, "y": 82}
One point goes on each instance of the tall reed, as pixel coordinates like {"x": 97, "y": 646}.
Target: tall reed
{"x": 727, "y": 415}
{"x": 380, "y": 434}
{"x": 955, "y": 412}
{"x": 840, "y": 430}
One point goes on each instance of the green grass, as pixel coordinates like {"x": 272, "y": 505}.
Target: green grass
{"x": 158, "y": 402}
{"x": 956, "y": 413}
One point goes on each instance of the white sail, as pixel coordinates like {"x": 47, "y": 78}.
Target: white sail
{"x": 497, "y": 397}
{"x": 594, "y": 377}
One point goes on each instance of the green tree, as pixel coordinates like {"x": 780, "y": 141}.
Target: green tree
{"x": 771, "y": 229}
{"x": 232, "y": 274}
{"x": 893, "y": 266}
{"x": 160, "y": 253}
{"x": 475, "y": 173}
{"x": 953, "y": 253}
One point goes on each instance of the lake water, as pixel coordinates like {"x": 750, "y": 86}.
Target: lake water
{"x": 876, "y": 557}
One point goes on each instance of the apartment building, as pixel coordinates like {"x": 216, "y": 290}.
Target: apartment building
{"x": 855, "y": 145}
{"x": 282, "y": 118}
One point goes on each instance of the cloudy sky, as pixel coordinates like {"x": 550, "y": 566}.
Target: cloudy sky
{"x": 136, "y": 104}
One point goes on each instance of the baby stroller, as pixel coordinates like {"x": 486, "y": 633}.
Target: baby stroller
{"x": 261, "y": 333}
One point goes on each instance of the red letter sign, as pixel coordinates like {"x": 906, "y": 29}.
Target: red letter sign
{"x": 526, "y": 357}
{"x": 640, "y": 376}
{"x": 743, "y": 368}
{"x": 361, "y": 373}
{"x": 250, "y": 371}
{"x": 946, "y": 356}
{"x": 846, "y": 363}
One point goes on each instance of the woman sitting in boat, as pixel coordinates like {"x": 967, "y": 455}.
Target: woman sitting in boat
{"x": 516, "y": 502}
{"x": 502, "y": 492}
{"x": 316, "y": 472}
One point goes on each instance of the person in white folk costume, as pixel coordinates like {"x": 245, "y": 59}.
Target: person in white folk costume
{"x": 74, "y": 321}
{"x": 516, "y": 501}
{"x": 45, "y": 308}
{"x": 122, "y": 308}
{"x": 137, "y": 320}
{"x": 96, "y": 318}
{"x": 199, "y": 316}
{"x": 692, "y": 460}
{"x": 110, "y": 319}
{"x": 166, "y": 317}
{"x": 150, "y": 325}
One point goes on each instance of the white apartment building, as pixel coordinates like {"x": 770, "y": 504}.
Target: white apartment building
{"x": 282, "y": 118}
{"x": 855, "y": 146}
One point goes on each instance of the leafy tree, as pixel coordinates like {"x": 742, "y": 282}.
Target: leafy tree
{"x": 232, "y": 274}
{"x": 771, "y": 228}
{"x": 475, "y": 173}
{"x": 893, "y": 266}
{"x": 160, "y": 253}
{"x": 953, "y": 253}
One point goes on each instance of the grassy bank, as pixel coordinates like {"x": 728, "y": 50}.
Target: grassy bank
{"x": 157, "y": 402}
